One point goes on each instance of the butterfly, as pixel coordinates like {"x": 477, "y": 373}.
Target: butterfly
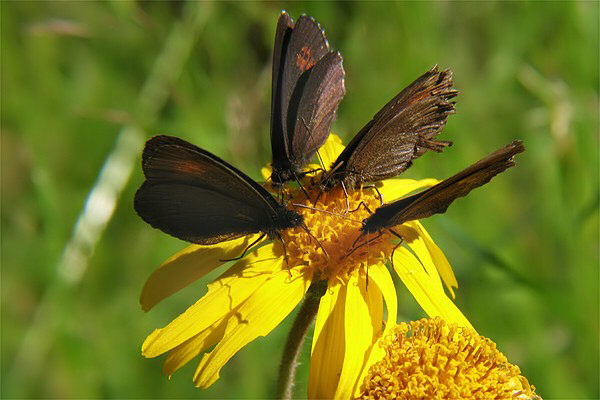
{"x": 308, "y": 85}
{"x": 404, "y": 129}
{"x": 195, "y": 196}
{"x": 437, "y": 198}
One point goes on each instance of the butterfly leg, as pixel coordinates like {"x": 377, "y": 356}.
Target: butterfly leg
{"x": 355, "y": 247}
{"x": 285, "y": 257}
{"x": 297, "y": 179}
{"x": 377, "y": 190}
{"x": 362, "y": 203}
{"x": 321, "y": 161}
{"x": 310, "y": 171}
{"x": 315, "y": 239}
{"x": 246, "y": 249}
{"x": 394, "y": 249}
{"x": 347, "y": 199}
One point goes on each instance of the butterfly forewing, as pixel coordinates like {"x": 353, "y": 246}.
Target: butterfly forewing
{"x": 195, "y": 196}
{"x": 400, "y": 132}
{"x": 195, "y": 214}
{"x": 317, "y": 107}
{"x": 436, "y": 199}
{"x": 307, "y": 45}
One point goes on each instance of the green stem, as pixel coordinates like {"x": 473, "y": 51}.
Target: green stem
{"x": 293, "y": 345}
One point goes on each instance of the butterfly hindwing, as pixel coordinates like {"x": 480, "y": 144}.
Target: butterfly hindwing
{"x": 317, "y": 107}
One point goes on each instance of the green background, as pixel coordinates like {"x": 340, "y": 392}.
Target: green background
{"x": 85, "y": 82}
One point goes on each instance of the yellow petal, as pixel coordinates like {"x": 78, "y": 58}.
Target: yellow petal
{"x": 189, "y": 349}
{"x": 426, "y": 292}
{"x": 380, "y": 275}
{"x": 392, "y": 189}
{"x": 375, "y": 303}
{"x": 382, "y": 279}
{"x": 417, "y": 244}
{"x": 187, "y": 266}
{"x": 266, "y": 172}
{"x": 328, "y": 347}
{"x": 224, "y": 294}
{"x": 331, "y": 149}
{"x": 438, "y": 257}
{"x": 257, "y": 316}
{"x": 359, "y": 333}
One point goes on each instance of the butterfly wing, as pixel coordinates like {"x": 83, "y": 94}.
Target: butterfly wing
{"x": 282, "y": 37}
{"x": 436, "y": 199}
{"x": 302, "y": 48}
{"x": 318, "y": 103}
{"x": 401, "y": 131}
{"x": 195, "y": 196}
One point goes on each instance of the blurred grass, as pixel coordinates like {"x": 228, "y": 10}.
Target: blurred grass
{"x": 525, "y": 248}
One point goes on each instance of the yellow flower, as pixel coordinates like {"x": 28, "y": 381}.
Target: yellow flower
{"x": 259, "y": 291}
{"x": 431, "y": 359}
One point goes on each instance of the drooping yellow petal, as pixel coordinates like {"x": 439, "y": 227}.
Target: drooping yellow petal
{"x": 392, "y": 189}
{"x": 330, "y": 150}
{"x": 328, "y": 344}
{"x": 438, "y": 257}
{"x": 425, "y": 290}
{"x": 362, "y": 306}
{"x": 191, "y": 348}
{"x": 257, "y": 316}
{"x": 187, "y": 266}
{"x": 224, "y": 294}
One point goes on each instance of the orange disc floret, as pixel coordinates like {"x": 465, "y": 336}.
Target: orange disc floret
{"x": 335, "y": 221}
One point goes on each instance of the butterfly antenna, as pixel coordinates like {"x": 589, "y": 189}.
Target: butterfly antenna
{"x": 316, "y": 240}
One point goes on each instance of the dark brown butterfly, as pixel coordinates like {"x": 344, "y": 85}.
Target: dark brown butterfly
{"x": 401, "y": 131}
{"x": 195, "y": 196}
{"x": 308, "y": 85}
{"x": 436, "y": 199}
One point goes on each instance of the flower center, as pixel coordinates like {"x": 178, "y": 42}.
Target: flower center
{"x": 335, "y": 221}
{"x": 433, "y": 360}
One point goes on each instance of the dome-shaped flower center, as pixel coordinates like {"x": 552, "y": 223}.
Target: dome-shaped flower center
{"x": 335, "y": 221}
{"x": 429, "y": 359}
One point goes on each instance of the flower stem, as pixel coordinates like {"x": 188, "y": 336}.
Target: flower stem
{"x": 293, "y": 345}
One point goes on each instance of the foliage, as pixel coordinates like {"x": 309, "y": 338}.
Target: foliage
{"x": 78, "y": 76}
